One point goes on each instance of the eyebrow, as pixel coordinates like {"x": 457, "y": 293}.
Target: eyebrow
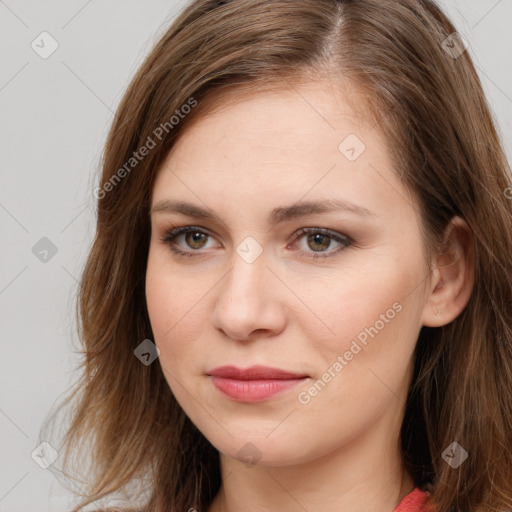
{"x": 277, "y": 215}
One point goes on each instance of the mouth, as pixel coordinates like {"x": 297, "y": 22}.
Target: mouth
{"x": 254, "y": 384}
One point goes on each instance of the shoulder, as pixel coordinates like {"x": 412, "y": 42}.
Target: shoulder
{"x": 414, "y": 501}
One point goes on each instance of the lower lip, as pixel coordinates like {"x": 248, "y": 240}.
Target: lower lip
{"x": 253, "y": 390}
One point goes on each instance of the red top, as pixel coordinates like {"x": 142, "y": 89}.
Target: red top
{"x": 413, "y": 502}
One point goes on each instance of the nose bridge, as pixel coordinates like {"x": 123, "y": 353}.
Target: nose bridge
{"x": 244, "y": 302}
{"x": 243, "y": 284}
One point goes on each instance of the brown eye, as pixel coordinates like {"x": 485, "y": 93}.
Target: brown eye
{"x": 195, "y": 239}
{"x": 318, "y": 241}
{"x": 188, "y": 241}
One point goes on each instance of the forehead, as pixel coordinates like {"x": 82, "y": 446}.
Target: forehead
{"x": 275, "y": 147}
{"x": 277, "y": 118}
{"x": 323, "y": 96}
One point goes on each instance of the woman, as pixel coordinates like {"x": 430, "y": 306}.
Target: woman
{"x": 299, "y": 292}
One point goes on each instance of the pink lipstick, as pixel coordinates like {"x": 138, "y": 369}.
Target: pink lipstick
{"x": 254, "y": 384}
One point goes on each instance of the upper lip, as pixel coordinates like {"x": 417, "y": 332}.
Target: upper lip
{"x": 254, "y": 372}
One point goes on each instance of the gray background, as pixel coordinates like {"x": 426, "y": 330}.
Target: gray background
{"x": 55, "y": 114}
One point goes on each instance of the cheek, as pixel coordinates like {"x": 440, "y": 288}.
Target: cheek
{"x": 365, "y": 365}
{"x": 372, "y": 313}
{"x": 176, "y": 308}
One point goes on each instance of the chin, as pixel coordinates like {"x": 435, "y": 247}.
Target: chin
{"x": 262, "y": 450}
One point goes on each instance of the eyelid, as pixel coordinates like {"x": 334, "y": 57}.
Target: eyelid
{"x": 172, "y": 233}
{"x": 323, "y": 231}
{"x": 344, "y": 241}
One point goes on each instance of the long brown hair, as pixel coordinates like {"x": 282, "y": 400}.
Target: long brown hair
{"x": 429, "y": 103}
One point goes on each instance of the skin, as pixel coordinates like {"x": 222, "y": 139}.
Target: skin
{"x": 340, "y": 451}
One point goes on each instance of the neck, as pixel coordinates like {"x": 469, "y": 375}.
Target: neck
{"x": 361, "y": 477}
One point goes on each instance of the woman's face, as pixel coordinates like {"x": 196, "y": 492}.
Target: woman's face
{"x": 275, "y": 271}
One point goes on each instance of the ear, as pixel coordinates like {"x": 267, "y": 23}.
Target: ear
{"x": 452, "y": 277}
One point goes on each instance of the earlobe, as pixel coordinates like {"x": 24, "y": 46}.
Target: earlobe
{"x": 452, "y": 276}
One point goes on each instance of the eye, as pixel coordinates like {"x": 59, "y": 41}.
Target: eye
{"x": 194, "y": 238}
{"x": 319, "y": 239}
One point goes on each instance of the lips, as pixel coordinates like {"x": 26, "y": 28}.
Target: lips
{"x": 255, "y": 373}
{"x": 254, "y": 384}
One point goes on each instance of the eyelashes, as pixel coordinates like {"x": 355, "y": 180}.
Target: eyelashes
{"x": 194, "y": 236}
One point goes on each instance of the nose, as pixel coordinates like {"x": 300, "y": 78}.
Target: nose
{"x": 249, "y": 304}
